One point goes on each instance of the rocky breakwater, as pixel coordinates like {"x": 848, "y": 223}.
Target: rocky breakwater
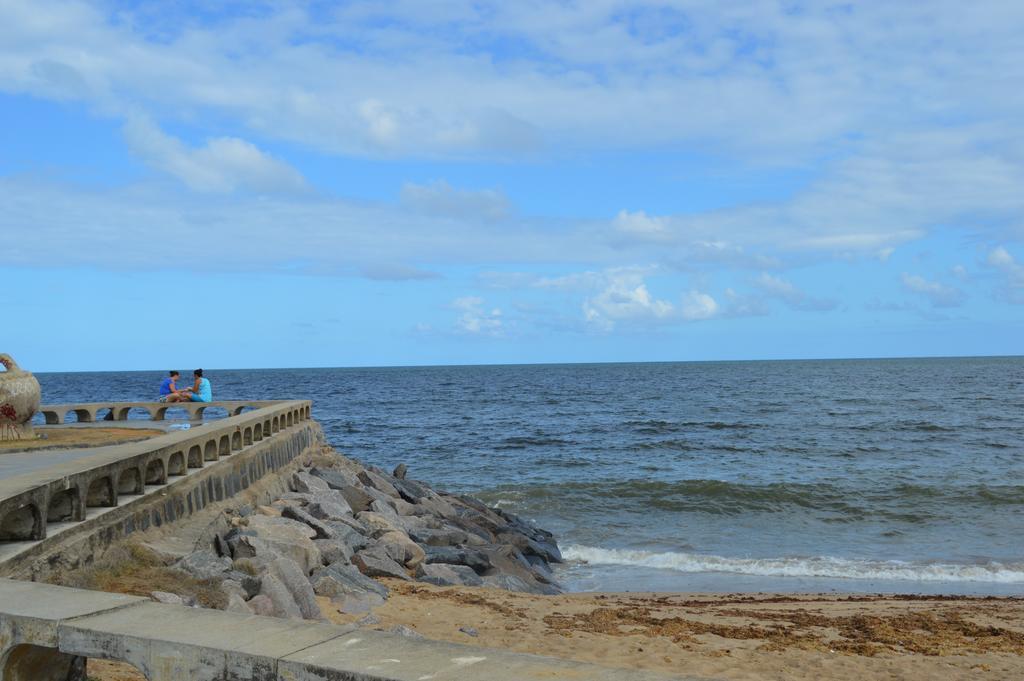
{"x": 344, "y": 526}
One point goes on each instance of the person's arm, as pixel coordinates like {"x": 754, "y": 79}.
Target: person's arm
{"x": 173, "y": 387}
{"x": 195, "y": 386}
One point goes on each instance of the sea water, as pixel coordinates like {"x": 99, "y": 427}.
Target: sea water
{"x": 857, "y": 475}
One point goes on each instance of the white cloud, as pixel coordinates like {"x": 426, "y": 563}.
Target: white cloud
{"x": 639, "y": 224}
{"x": 1012, "y": 286}
{"x": 623, "y": 297}
{"x": 440, "y": 198}
{"x": 697, "y": 305}
{"x": 777, "y": 287}
{"x": 475, "y": 319}
{"x": 937, "y": 293}
{"x": 223, "y": 165}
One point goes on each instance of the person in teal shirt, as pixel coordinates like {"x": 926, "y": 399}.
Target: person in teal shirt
{"x": 201, "y": 389}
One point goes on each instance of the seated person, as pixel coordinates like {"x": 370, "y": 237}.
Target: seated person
{"x": 169, "y": 389}
{"x": 201, "y": 390}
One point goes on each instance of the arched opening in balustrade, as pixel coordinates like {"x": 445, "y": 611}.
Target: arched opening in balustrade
{"x": 288, "y": 419}
{"x": 275, "y": 425}
{"x": 21, "y": 524}
{"x": 129, "y": 482}
{"x": 266, "y": 428}
{"x": 247, "y": 436}
{"x": 225, "y": 446}
{"x": 195, "y": 457}
{"x": 214, "y": 412}
{"x": 63, "y": 506}
{"x": 78, "y": 416}
{"x": 104, "y": 414}
{"x": 309, "y": 413}
{"x": 101, "y": 493}
{"x": 121, "y": 413}
{"x": 27, "y": 662}
{"x": 236, "y": 441}
{"x": 210, "y": 451}
{"x": 257, "y": 432}
{"x": 176, "y": 464}
{"x": 155, "y": 474}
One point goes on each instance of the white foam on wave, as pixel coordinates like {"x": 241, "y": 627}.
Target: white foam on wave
{"x": 819, "y": 566}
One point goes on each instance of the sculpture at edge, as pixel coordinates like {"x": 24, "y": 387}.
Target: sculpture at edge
{"x": 19, "y": 400}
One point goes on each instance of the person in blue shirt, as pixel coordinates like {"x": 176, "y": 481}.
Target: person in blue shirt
{"x": 201, "y": 390}
{"x": 169, "y": 390}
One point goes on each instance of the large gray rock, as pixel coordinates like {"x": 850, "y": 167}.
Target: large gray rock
{"x": 303, "y": 551}
{"x": 402, "y": 549}
{"x": 335, "y": 478}
{"x": 238, "y": 604}
{"x": 328, "y": 509}
{"x": 384, "y": 507}
{"x": 357, "y": 499}
{"x": 335, "y": 550}
{"x": 375, "y": 562}
{"x": 378, "y": 482}
{"x": 261, "y": 605}
{"x": 340, "y": 579}
{"x": 449, "y": 536}
{"x": 280, "y": 537}
{"x": 447, "y": 575}
{"x": 294, "y": 513}
{"x": 166, "y": 598}
{"x": 281, "y": 598}
{"x": 204, "y": 564}
{"x": 438, "y": 506}
{"x": 354, "y": 540}
{"x": 471, "y": 558}
{"x": 410, "y": 490}
{"x": 295, "y": 580}
{"x": 308, "y": 484}
{"x": 378, "y": 523}
{"x": 400, "y": 471}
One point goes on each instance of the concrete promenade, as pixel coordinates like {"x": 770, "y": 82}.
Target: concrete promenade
{"x": 43, "y": 488}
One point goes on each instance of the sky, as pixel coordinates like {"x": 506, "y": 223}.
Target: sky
{"x": 288, "y": 184}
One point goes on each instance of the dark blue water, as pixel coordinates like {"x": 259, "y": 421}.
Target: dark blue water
{"x": 903, "y": 475}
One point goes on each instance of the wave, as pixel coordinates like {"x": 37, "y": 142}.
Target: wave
{"x": 820, "y": 566}
{"x": 892, "y": 501}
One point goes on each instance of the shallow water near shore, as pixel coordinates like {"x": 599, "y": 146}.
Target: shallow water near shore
{"x": 853, "y": 475}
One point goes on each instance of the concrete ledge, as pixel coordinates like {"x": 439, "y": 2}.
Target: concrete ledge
{"x": 75, "y": 543}
{"x": 172, "y": 643}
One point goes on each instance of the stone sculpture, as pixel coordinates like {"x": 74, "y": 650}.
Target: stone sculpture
{"x": 19, "y": 400}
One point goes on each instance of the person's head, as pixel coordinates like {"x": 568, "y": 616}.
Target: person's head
{"x": 198, "y": 373}
{"x": 174, "y": 374}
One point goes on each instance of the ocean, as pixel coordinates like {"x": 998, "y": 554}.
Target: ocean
{"x": 896, "y": 475}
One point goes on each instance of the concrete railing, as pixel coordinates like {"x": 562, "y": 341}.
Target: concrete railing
{"x": 46, "y": 632}
{"x": 64, "y": 491}
{"x": 87, "y": 412}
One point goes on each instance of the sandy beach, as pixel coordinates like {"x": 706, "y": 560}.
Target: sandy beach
{"x": 742, "y": 636}
{"x": 755, "y": 637}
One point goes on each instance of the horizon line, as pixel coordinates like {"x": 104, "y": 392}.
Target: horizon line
{"x": 553, "y": 363}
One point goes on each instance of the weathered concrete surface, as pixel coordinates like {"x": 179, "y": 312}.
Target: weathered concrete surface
{"x": 174, "y": 643}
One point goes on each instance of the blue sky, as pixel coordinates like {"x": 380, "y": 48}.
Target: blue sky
{"x": 396, "y": 183}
